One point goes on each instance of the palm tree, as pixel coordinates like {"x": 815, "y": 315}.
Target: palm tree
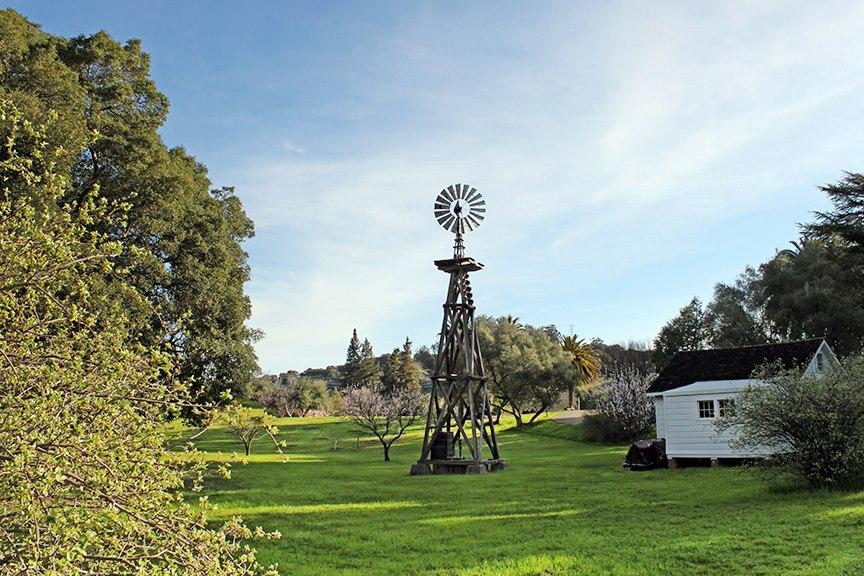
{"x": 585, "y": 360}
{"x": 510, "y": 319}
{"x": 797, "y": 247}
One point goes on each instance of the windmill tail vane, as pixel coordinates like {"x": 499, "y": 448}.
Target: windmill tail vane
{"x": 459, "y": 208}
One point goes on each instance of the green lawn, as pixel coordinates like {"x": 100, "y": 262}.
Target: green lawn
{"x": 564, "y": 507}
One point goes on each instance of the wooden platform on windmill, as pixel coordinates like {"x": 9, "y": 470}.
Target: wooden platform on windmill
{"x": 466, "y": 264}
{"x": 457, "y": 466}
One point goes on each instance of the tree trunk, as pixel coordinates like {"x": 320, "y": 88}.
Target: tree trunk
{"x": 248, "y": 448}
{"x": 537, "y": 413}
{"x": 517, "y": 414}
{"x": 570, "y": 388}
{"x": 386, "y": 452}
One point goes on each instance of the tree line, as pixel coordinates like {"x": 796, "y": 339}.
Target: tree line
{"x": 814, "y": 289}
{"x": 530, "y": 370}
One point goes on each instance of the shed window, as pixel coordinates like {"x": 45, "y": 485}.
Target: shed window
{"x": 706, "y": 408}
{"x": 820, "y": 361}
{"x": 727, "y": 407}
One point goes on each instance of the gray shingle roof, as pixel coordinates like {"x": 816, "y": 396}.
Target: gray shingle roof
{"x": 731, "y": 363}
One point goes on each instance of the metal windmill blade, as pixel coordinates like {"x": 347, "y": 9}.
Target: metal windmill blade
{"x": 459, "y": 208}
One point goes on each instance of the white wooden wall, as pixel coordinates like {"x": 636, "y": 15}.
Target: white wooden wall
{"x": 660, "y": 416}
{"x": 687, "y": 435}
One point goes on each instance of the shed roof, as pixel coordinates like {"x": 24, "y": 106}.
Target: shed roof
{"x": 686, "y": 368}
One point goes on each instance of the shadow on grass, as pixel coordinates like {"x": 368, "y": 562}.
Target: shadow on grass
{"x": 564, "y": 507}
{"x": 451, "y": 520}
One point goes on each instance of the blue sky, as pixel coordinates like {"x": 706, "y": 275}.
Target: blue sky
{"x": 632, "y": 154}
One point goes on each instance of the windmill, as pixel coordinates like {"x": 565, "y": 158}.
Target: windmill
{"x": 459, "y": 437}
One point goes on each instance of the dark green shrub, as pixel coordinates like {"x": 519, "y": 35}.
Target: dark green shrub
{"x": 815, "y": 426}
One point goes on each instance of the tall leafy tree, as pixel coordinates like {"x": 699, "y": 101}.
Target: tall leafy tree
{"x": 817, "y": 292}
{"x": 425, "y": 358}
{"x": 87, "y": 485}
{"x": 181, "y": 240}
{"x": 735, "y": 316}
{"x": 552, "y": 331}
{"x": 527, "y": 370}
{"x": 687, "y": 331}
{"x": 633, "y": 353}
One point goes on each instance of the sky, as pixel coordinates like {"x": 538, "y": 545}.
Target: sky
{"x": 632, "y": 154}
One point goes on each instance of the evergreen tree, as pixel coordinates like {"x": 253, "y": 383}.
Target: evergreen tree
{"x": 350, "y": 372}
{"x": 369, "y": 371}
{"x": 401, "y": 371}
{"x": 410, "y": 375}
{"x": 687, "y": 331}
{"x": 847, "y": 218}
{"x": 392, "y": 371}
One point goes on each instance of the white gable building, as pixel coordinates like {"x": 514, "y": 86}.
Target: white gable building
{"x": 699, "y": 386}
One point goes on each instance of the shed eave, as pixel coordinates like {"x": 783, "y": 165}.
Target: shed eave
{"x": 711, "y": 387}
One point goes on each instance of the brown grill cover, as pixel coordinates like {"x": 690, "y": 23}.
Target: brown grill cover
{"x": 646, "y": 454}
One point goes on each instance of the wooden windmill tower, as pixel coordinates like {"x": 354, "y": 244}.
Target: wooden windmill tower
{"x": 460, "y": 434}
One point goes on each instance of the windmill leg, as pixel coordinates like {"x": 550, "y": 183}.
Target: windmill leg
{"x": 487, "y": 409}
{"x": 475, "y": 447}
{"x": 429, "y": 417}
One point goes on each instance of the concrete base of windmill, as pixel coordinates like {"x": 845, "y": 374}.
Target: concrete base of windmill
{"x": 420, "y": 469}
{"x": 456, "y": 466}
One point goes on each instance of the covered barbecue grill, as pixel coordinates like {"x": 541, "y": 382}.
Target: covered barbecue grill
{"x": 646, "y": 455}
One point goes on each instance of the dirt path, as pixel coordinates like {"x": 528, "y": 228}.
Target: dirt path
{"x": 571, "y": 416}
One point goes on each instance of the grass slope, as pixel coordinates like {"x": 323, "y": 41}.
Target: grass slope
{"x": 564, "y": 507}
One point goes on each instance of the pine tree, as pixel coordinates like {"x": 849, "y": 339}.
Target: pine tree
{"x": 392, "y": 371}
{"x": 368, "y": 372}
{"x": 409, "y": 372}
{"x": 352, "y": 362}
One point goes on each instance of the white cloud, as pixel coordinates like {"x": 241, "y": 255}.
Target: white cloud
{"x": 630, "y": 128}
{"x": 293, "y": 148}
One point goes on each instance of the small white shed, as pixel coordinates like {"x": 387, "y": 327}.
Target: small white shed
{"x": 701, "y": 385}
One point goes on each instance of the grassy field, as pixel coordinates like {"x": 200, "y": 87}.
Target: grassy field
{"x": 564, "y": 507}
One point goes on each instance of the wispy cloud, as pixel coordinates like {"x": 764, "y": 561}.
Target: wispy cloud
{"x": 603, "y": 140}
{"x": 291, "y": 147}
